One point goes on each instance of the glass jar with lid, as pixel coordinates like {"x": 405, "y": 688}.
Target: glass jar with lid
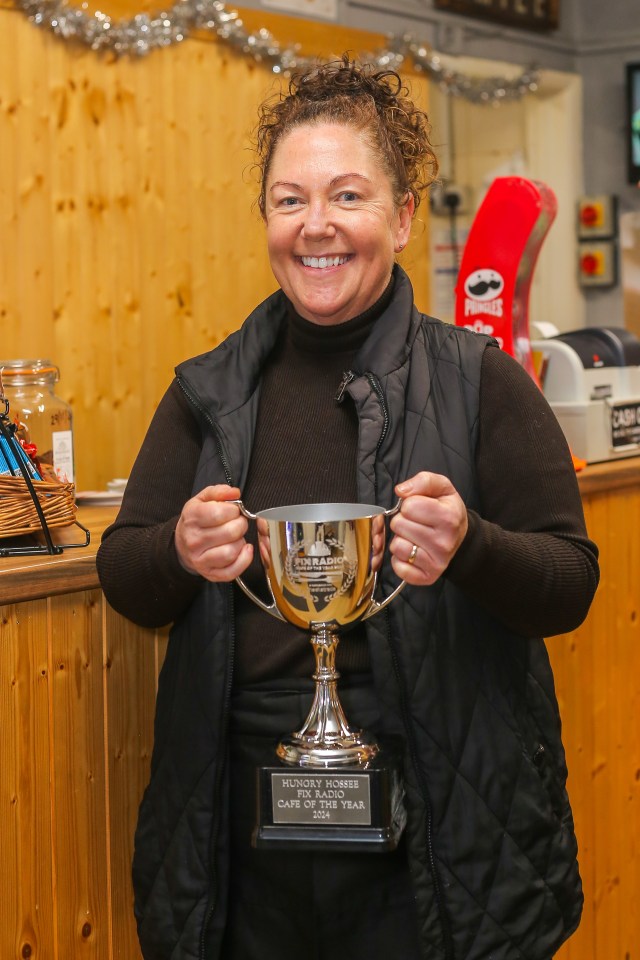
{"x": 41, "y": 417}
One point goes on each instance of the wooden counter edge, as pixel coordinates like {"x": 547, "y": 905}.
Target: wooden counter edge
{"x": 608, "y": 476}
{"x": 47, "y": 580}
{"x": 34, "y": 577}
{"x": 42, "y": 575}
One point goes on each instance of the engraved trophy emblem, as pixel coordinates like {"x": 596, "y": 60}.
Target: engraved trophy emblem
{"x": 332, "y": 785}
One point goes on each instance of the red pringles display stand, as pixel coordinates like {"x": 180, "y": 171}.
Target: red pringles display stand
{"x": 492, "y": 292}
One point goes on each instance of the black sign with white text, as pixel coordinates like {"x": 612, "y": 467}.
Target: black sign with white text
{"x": 625, "y": 424}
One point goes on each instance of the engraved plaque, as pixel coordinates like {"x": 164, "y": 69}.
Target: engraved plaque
{"x": 321, "y": 798}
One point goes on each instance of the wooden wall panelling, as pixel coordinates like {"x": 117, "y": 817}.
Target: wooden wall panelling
{"x": 72, "y": 304}
{"x": 80, "y": 838}
{"x": 615, "y": 639}
{"x": 146, "y": 192}
{"x": 131, "y": 670}
{"x": 9, "y": 104}
{"x": 597, "y": 672}
{"x": 33, "y": 192}
{"x": 572, "y": 656}
{"x": 106, "y": 343}
{"x": 26, "y": 865}
{"x": 607, "y": 806}
{"x": 77, "y": 700}
{"x": 16, "y": 104}
{"x": 618, "y": 729}
{"x": 107, "y": 292}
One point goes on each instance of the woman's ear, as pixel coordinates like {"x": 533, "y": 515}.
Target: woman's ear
{"x": 405, "y": 218}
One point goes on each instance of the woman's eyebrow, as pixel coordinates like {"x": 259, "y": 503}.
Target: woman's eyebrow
{"x": 285, "y": 183}
{"x": 349, "y": 176}
{"x": 291, "y": 185}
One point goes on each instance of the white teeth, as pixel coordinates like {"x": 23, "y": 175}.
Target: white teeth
{"x": 319, "y": 263}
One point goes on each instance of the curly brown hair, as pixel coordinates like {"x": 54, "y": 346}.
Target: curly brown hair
{"x": 374, "y": 102}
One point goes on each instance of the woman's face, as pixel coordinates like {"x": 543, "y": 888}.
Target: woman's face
{"x": 332, "y": 225}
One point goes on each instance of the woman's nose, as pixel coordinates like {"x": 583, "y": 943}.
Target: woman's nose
{"x": 318, "y": 222}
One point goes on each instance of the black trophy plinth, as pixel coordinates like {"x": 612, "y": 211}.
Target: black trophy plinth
{"x": 355, "y": 807}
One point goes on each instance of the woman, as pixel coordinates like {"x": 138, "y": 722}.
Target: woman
{"x": 335, "y": 389}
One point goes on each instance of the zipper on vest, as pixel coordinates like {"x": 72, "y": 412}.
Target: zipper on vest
{"x": 214, "y": 427}
{"x": 215, "y": 832}
{"x": 376, "y": 386}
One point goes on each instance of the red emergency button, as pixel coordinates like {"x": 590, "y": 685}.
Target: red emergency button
{"x": 592, "y": 264}
{"x": 591, "y": 215}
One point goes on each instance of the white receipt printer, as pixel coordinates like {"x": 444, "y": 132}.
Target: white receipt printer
{"x": 591, "y": 379}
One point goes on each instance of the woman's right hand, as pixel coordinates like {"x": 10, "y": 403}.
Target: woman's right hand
{"x": 210, "y": 533}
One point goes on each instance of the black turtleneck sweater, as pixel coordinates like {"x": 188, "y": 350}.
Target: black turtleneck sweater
{"x": 305, "y": 450}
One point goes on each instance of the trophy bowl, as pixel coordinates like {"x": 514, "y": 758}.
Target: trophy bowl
{"x": 321, "y": 562}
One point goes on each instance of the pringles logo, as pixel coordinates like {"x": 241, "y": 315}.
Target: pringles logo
{"x": 482, "y": 290}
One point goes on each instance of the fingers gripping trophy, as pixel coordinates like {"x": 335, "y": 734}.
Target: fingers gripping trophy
{"x": 332, "y": 785}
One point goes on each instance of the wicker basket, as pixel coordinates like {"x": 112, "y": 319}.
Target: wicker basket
{"x": 18, "y": 515}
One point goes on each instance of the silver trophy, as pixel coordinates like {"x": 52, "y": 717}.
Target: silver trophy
{"x": 321, "y": 563}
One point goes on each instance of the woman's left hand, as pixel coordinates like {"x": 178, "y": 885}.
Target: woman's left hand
{"x": 429, "y": 528}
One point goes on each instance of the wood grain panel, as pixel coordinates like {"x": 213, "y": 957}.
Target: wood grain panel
{"x": 130, "y": 241}
{"x": 597, "y": 671}
{"x": 131, "y": 654}
{"x": 42, "y": 575}
{"x": 77, "y": 691}
{"x": 80, "y": 842}
{"x": 26, "y": 866}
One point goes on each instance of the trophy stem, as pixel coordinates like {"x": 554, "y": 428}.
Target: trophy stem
{"x": 325, "y": 738}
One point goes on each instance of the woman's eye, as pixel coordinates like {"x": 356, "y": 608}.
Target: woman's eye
{"x": 349, "y": 196}
{"x": 289, "y": 201}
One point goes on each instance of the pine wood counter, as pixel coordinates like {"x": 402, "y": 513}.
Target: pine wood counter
{"x": 597, "y": 673}
{"x": 77, "y": 690}
{"x": 31, "y": 577}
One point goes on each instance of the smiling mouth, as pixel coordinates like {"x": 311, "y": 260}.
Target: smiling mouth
{"x": 321, "y": 263}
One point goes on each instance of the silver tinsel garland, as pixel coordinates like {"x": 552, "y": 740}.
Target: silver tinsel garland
{"x": 144, "y": 33}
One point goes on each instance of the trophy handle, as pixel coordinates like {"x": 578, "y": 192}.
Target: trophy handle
{"x": 243, "y": 510}
{"x": 375, "y": 606}
{"x": 268, "y": 608}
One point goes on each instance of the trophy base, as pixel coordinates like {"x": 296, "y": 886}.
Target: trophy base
{"x": 348, "y": 808}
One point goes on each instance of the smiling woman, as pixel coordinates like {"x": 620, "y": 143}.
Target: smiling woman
{"x": 343, "y": 160}
{"x": 338, "y": 390}
{"x": 333, "y": 227}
